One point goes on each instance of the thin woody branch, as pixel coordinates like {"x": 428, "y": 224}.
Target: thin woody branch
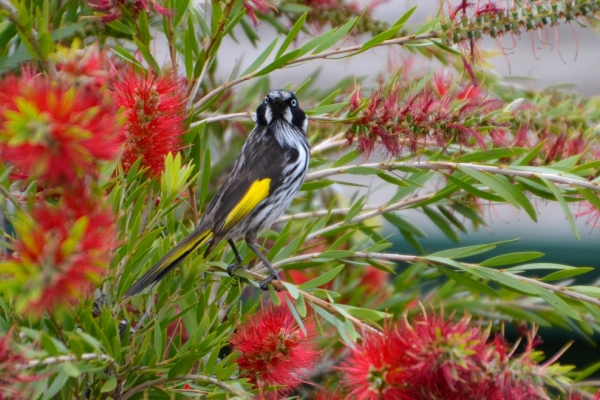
{"x": 439, "y": 165}
{"x": 323, "y": 55}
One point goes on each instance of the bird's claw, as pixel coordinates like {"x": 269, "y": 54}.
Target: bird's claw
{"x": 233, "y": 267}
{"x": 264, "y": 285}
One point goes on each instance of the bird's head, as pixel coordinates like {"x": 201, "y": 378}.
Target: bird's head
{"x": 281, "y": 105}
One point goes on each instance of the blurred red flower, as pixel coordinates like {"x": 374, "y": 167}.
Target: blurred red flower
{"x": 60, "y": 252}
{"x": 112, "y": 9}
{"x": 87, "y": 67}
{"x": 12, "y": 377}
{"x": 54, "y": 132}
{"x": 274, "y": 350}
{"x": 154, "y": 107}
{"x": 261, "y": 6}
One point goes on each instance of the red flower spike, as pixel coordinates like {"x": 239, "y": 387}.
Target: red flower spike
{"x": 61, "y": 251}
{"x": 438, "y": 358}
{"x": 154, "y": 107}
{"x": 433, "y": 116}
{"x": 54, "y": 132}
{"x": 12, "y": 378}
{"x": 280, "y": 354}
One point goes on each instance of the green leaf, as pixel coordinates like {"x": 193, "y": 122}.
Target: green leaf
{"x": 274, "y": 297}
{"x": 513, "y": 258}
{"x": 482, "y": 194}
{"x": 121, "y": 27}
{"x": 301, "y": 306}
{"x": 593, "y": 165}
{"x": 564, "y": 274}
{"x": 292, "y": 289}
{"x": 506, "y": 280}
{"x": 365, "y": 313}
{"x": 336, "y": 35}
{"x": 57, "y": 384}
{"x": 334, "y": 254}
{"x": 291, "y": 35}
{"x": 322, "y": 279}
{"x": 121, "y": 52}
{"x": 591, "y": 291}
{"x": 446, "y": 48}
{"x": 70, "y": 369}
{"x": 535, "y": 266}
{"x": 360, "y": 170}
{"x": 182, "y": 366}
{"x": 556, "y": 302}
{"x": 109, "y": 385}
{"x": 296, "y": 315}
{"x": 325, "y": 36}
{"x": 146, "y": 54}
{"x": 294, "y": 8}
{"x": 390, "y": 178}
{"x": 261, "y": 59}
{"x": 441, "y": 223}
{"x": 527, "y": 158}
{"x": 279, "y": 62}
{"x": 509, "y": 192}
{"x": 489, "y": 154}
{"x": 346, "y": 158}
{"x": 428, "y": 25}
{"x": 388, "y": 34}
{"x": 468, "y": 281}
{"x": 313, "y": 185}
{"x": 466, "y": 251}
{"x": 563, "y": 204}
{"x": 144, "y": 27}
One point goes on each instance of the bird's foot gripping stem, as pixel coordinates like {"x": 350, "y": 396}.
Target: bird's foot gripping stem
{"x": 264, "y": 285}
{"x": 232, "y": 267}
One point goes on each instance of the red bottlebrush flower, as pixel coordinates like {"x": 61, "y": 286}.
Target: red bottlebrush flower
{"x": 374, "y": 367}
{"x": 12, "y": 378}
{"x": 55, "y": 132}
{"x": 441, "y": 359}
{"x": 280, "y": 354}
{"x": 154, "y": 107}
{"x": 262, "y": 6}
{"x": 60, "y": 252}
{"x": 111, "y": 9}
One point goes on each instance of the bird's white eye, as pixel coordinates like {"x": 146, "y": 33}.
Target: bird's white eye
{"x": 294, "y": 103}
{"x": 266, "y": 99}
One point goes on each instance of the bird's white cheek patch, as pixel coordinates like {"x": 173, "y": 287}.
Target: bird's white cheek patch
{"x": 268, "y": 115}
{"x": 288, "y": 115}
{"x": 305, "y": 124}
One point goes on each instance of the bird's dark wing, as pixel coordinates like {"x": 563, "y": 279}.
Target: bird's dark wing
{"x": 256, "y": 174}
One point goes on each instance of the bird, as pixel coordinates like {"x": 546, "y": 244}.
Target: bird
{"x": 266, "y": 176}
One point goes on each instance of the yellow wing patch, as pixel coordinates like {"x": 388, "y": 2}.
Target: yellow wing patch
{"x": 258, "y": 191}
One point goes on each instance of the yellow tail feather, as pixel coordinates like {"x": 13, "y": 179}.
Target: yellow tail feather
{"x": 194, "y": 241}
